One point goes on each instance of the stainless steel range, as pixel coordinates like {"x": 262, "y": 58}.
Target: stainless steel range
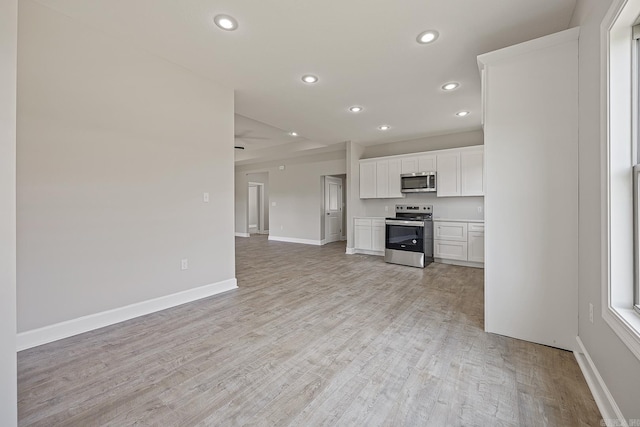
{"x": 409, "y": 236}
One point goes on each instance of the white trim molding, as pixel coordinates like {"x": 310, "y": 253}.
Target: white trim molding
{"x": 350, "y": 251}
{"x": 296, "y": 240}
{"x": 58, "y": 331}
{"x": 243, "y": 235}
{"x": 608, "y": 407}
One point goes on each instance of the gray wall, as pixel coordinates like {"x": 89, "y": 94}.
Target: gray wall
{"x": 619, "y": 368}
{"x": 296, "y": 191}
{"x": 443, "y": 207}
{"x": 115, "y": 149}
{"x": 8, "y": 64}
{"x": 429, "y": 143}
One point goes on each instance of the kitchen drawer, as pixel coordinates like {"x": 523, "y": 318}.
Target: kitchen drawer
{"x": 447, "y": 249}
{"x": 476, "y": 227}
{"x": 377, "y": 222}
{"x": 456, "y": 231}
{"x": 366, "y": 222}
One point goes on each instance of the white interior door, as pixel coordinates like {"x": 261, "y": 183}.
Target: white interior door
{"x": 332, "y": 209}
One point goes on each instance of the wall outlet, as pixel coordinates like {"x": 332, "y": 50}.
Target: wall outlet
{"x": 479, "y": 209}
{"x": 590, "y": 312}
{"x": 386, "y": 208}
{"x": 282, "y": 227}
{"x": 205, "y": 197}
{"x": 184, "y": 264}
{"x": 273, "y": 203}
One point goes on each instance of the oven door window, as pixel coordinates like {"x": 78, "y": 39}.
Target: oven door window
{"x": 405, "y": 238}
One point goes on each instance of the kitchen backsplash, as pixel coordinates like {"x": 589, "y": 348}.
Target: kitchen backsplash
{"x": 443, "y": 207}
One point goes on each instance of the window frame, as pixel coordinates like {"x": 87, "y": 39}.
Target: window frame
{"x": 635, "y": 152}
{"x": 620, "y": 203}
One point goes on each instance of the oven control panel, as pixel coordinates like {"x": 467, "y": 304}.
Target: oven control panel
{"x": 414, "y": 211}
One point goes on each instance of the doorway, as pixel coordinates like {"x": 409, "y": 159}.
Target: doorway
{"x": 333, "y": 209}
{"x": 255, "y": 202}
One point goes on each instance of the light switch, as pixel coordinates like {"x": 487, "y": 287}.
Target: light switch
{"x": 273, "y": 203}
{"x": 205, "y": 197}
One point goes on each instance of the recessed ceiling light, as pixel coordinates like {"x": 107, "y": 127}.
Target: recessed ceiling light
{"x": 226, "y": 22}
{"x": 427, "y": 37}
{"x": 293, "y": 133}
{"x": 451, "y": 86}
{"x": 462, "y": 113}
{"x": 384, "y": 127}
{"x": 309, "y": 78}
{"x": 355, "y": 109}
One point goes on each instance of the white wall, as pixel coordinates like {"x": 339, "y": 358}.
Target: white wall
{"x": 531, "y": 198}
{"x": 8, "y": 64}
{"x": 296, "y": 191}
{"x": 619, "y": 368}
{"x": 115, "y": 149}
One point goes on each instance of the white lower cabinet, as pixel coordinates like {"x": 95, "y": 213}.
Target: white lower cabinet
{"x": 475, "y": 243}
{"x": 450, "y": 250}
{"x": 369, "y": 235}
{"x": 459, "y": 241}
{"x": 450, "y": 231}
{"x": 377, "y": 234}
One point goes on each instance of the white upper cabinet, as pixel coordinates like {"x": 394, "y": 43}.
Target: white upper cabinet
{"x": 472, "y": 172}
{"x": 409, "y": 165}
{"x": 460, "y": 172}
{"x": 367, "y": 180}
{"x": 380, "y": 179}
{"x": 421, "y": 163}
{"x": 426, "y": 163}
{"x": 448, "y": 174}
{"x": 394, "y": 178}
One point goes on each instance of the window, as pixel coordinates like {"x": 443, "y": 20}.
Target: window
{"x": 621, "y": 218}
{"x": 635, "y": 152}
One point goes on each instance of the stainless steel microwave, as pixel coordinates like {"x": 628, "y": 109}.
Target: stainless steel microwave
{"x": 418, "y": 182}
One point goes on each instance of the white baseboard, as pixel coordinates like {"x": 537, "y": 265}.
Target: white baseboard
{"x": 263, "y": 232}
{"x": 296, "y": 240}
{"x": 608, "y": 407}
{"x": 242, "y": 234}
{"x": 47, "y": 334}
{"x": 350, "y": 251}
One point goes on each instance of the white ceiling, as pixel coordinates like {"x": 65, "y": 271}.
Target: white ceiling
{"x": 364, "y": 52}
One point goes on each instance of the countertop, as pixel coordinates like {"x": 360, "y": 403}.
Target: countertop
{"x": 479, "y": 221}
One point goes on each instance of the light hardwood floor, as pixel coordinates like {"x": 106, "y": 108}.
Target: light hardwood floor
{"x": 312, "y": 337}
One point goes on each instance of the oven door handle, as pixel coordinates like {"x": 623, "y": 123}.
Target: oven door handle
{"x": 401, "y": 222}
